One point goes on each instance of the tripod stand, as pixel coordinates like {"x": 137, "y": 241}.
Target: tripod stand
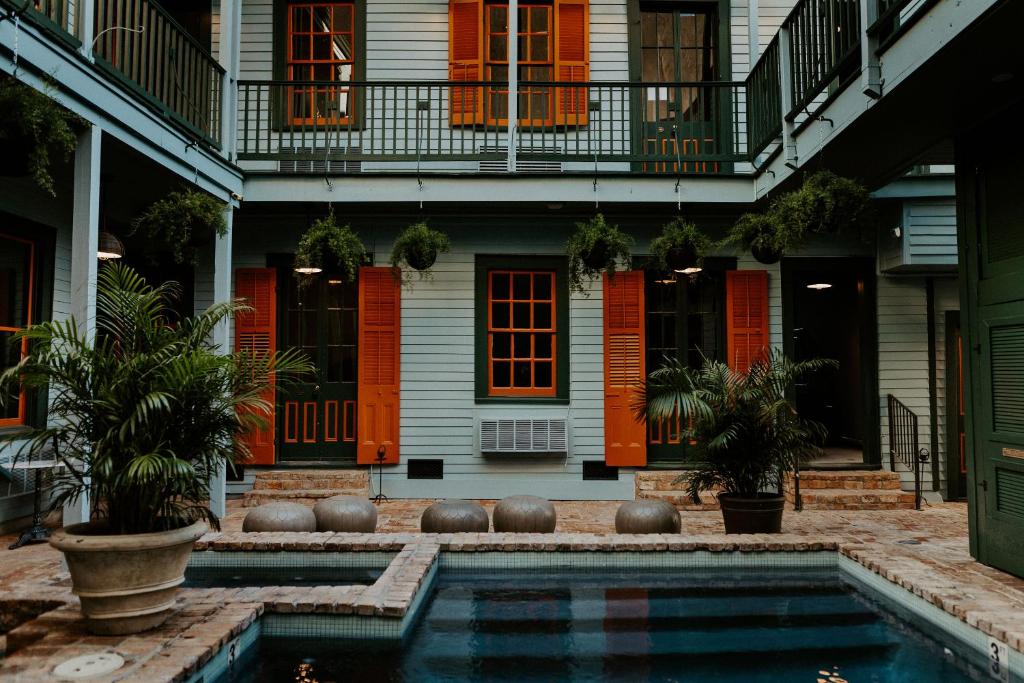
{"x": 380, "y": 497}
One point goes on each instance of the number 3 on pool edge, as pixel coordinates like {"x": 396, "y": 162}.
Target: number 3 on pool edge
{"x": 998, "y": 666}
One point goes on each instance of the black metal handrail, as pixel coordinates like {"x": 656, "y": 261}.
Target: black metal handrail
{"x": 764, "y": 100}
{"x": 903, "y": 443}
{"x": 824, "y": 44}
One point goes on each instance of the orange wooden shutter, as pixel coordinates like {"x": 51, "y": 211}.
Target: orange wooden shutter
{"x": 379, "y": 360}
{"x": 465, "y": 60}
{"x": 255, "y": 332}
{"x": 572, "y": 60}
{"x": 625, "y": 439}
{"x": 746, "y": 315}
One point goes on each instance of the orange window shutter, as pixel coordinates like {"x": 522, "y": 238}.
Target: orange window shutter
{"x": 572, "y": 60}
{"x": 379, "y": 360}
{"x": 625, "y": 439}
{"x": 465, "y": 60}
{"x": 746, "y": 315}
{"x": 255, "y": 333}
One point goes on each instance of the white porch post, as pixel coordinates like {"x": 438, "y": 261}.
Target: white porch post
{"x": 85, "y": 237}
{"x": 871, "y": 75}
{"x": 228, "y": 56}
{"x": 513, "y": 81}
{"x": 85, "y": 11}
{"x": 789, "y": 149}
{"x": 222, "y": 292}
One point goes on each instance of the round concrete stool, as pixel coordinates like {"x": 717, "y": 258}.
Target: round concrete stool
{"x": 345, "y": 513}
{"x": 528, "y": 514}
{"x": 454, "y": 516}
{"x": 280, "y": 517}
{"x": 647, "y": 517}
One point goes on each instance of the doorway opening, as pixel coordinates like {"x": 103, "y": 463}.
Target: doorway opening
{"x": 830, "y": 313}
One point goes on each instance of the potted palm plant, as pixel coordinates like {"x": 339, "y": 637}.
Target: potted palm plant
{"x": 418, "y": 246}
{"x": 140, "y": 420}
{"x": 181, "y": 222}
{"x": 680, "y": 246}
{"x": 596, "y": 246}
{"x": 327, "y": 246}
{"x": 745, "y": 430}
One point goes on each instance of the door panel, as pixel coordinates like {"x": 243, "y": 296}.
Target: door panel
{"x": 318, "y": 417}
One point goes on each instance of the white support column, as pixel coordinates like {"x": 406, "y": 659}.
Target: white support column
{"x": 85, "y": 237}
{"x": 85, "y": 18}
{"x": 228, "y": 56}
{"x": 221, "y": 293}
{"x": 513, "y": 81}
{"x": 789, "y": 150}
{"x": 871, "y": 74}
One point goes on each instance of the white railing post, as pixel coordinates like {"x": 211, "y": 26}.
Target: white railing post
{"x": 513, "y": 81}
{"x": 871, "y": 74}
{"x": 85, "y": 239}
{"x": 221, "y": 339}
{"x": 228, "y": 56}
{"x": 789, "y": 150}
{"x": 85, "y": 21}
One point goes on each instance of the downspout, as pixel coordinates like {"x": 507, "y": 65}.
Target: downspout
{"x": 933, "y": 390}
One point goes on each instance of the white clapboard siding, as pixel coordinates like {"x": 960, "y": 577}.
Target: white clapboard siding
{"x": 770, "y": 15}
{"x": 929, "y": 236}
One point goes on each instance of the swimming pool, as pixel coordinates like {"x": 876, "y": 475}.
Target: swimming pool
{"x": 287, "y": 568}
{"x": 729, "y": 624}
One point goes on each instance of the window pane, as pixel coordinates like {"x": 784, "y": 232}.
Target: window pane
{"x": 301, "y": 47}
{"x": 521, "y": 286}
{"x": 334, "y": 370}
{"x": 499, "y": 285}
{"x": 500, "y": 316}
{"x": 10, "y": 355}
{"x": 542, "y": 286}
{"x": 542, "y": 376}
{"x": 14, "y": 270}
{"x": 342, "y": 18}
{"x": 521, "y": 345}
{"x": 322, "y": 48}
{"x": 521, "y": 316}
{"x": 521, "y": 375}
{"x": 542, "y": 345}
{"x": 348, "y": 364}
{"x": 499, "y": 19}
{"x": 501, "y": 345}
{"x": 542, "y": 316}
{"x": 539, "y": 49}
{"x": 497, "y": 49}
{"x": 301, "y": 19}
{"x": 342, "y": 48}
{"x": 502, "y": 376}
{"x": 539, "y": 19}
{"x": 322, "y": 19}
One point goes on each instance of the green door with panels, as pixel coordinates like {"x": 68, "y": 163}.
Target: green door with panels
{"x": 317, "y": 419}
{"x": 992, "y": 256}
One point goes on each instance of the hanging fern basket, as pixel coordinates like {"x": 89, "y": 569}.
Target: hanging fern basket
{"x": 422, "y": 260}
{"x": 598, "y": 255}
{"x": 768, "y": 255}
{"x": 681, "y": 257}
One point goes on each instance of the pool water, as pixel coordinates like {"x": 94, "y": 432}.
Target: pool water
{"x": 683, "y": 625}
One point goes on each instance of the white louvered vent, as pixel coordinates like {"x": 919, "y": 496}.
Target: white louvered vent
{"x": 316, "y": 160}
{"x": 524, "y": 436}
{"x": 522, "y": 166}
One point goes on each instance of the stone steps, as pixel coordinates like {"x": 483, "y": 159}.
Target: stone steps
{"x": 682, "y": 501}
{"x": 306, "y": 486}
{"x": 851, "y": 479}
{"x": 660, "y": 484}
{"x": 849, "y": 490}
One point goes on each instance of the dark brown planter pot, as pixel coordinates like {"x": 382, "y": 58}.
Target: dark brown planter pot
{"x": 598, "y": 256}
{"x": 680, "y": 258}
{"x": 420, "y": 260}
{"x": 760, "y": 515}
{"x": 766, "y": 255}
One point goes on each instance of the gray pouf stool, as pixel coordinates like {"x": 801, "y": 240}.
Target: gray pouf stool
{"x": 647, "y": 517}
{"x": 454, "y": 516}
{"x": 528, "y": 514}
{"x": 280, "y": 517}
{"x": 345, "y": 513}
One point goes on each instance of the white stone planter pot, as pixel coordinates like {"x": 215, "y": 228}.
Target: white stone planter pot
{"x": 126, "y": 583}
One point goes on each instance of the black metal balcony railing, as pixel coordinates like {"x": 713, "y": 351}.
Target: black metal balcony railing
{"x": 895, "y": 16}
{"x": 53, "y": 14}
{"x": 663, "y": 127}
{"x": 764, "y": 100}
{"x": 161, "y": 61}
{"x": 824, "y": 47}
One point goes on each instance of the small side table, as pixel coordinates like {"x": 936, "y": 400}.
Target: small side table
{"x": 37, "y": 533}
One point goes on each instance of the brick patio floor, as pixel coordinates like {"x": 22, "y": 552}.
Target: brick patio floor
{"x": 926, "y": 552}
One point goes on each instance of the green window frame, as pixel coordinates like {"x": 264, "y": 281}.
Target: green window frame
{"x": 557, "y": 264}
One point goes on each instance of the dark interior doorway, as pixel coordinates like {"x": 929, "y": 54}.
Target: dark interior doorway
{"x": 830, "y": 313}
{"x": 956, "y": 441}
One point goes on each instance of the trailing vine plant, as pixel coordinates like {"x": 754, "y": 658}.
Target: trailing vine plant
{"x": 181, "y": 221}
{"x": 35, "y": 132}
{"x": 330, "y": 247}
{"x": 680, "y": 245}
{"x": 596, "y": 247}
{"x": 417, "y": 247}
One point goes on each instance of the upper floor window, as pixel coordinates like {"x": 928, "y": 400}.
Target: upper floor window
{"x": 17, "y": 267}
{"x": 320, "y": 51}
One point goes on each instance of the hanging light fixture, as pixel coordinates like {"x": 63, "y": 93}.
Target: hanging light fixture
{"x": 820, "y": 286}
{"x": 109, "y": 247}
{"x": 692, "y": 270}
{"x": 308, "y": 270}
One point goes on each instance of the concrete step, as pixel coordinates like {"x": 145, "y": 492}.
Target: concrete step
{"x": 306, "y": 486}
{"x": 304, "y": 496}
{"x": 852, "y": 499}
{"x": 847, "y": 479}
{"x": 682, "y": 500}
{"x": 658, "y": 480}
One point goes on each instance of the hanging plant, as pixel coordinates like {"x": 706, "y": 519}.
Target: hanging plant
{"x": 331, "y": 248}
{"x": 680, "y": 245}
{"x": 181, "y": 222}
{"x": 596, "y": 246}
{"x": 763, "y": 237}
{"x": 35, "y": 132}
{"x": 418, "y": 246}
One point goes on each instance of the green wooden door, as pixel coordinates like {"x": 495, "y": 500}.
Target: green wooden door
{"x": 992, "y": 256}
{"x": 318, "y": 418}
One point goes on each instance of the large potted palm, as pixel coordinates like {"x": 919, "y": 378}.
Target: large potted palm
{"x": 744, "y": 429}
{"x": 140, "y": 419}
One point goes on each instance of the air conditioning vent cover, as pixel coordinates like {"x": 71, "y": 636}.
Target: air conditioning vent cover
{"x": 529, "y": 435}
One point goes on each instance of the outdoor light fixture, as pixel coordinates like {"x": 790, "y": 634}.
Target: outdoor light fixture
{"x": 334, "y": 281}
{"x": 308, "y": 270}
{"x": 666, "y": 281}
{"x": 820, "y": 286}
{"x": 693, "y": 270}
{"x": 109, "y": 247}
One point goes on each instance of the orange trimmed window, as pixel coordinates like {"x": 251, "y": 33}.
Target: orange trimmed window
{"x": 521, "y": 333}
{"x": 17, "y": 269}
{"x": 536, "y": 62}
{"x": 321, "y": 47}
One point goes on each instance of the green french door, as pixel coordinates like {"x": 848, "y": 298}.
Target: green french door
{"x": 685, "y": 318}
{"x": 317, "y": 419}
{"x": 992, "y": 262}
{"x": 679, "y": 45}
